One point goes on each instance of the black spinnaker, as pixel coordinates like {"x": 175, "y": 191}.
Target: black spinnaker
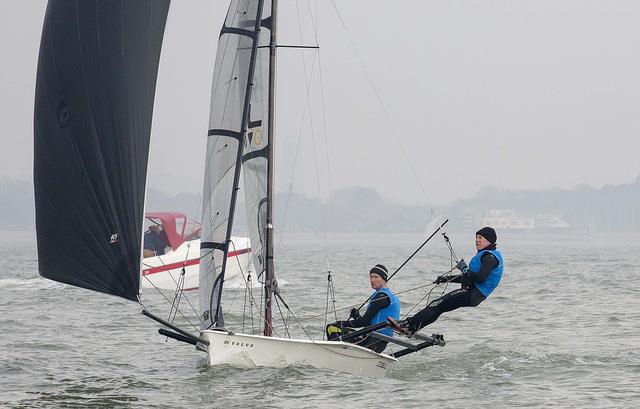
{"x": 95, "y": 89}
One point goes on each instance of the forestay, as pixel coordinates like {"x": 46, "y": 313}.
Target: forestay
{"x": 95, "y": 88}
{"x": 228, "y": 121}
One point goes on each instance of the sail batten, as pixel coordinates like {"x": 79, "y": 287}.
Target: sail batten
{"x": 225, "y": 132}
{"x": 238, "y": 31}
{"x": 95, "y": 87}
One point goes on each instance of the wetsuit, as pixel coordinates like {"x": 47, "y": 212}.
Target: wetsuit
{"x": 471, "y": 294}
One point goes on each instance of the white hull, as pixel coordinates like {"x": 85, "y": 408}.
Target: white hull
{"x": 250, "y": 351}
{"x": 164, "y": 271}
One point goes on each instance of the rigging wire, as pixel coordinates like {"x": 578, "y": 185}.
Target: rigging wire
{"x": 285, "y": 321}
{"x": 309, "y": 76}
{"x": 324, "y": 128}
{"x": 453, "y": 263}
{"x": 454, "y": 256}
{"x": 349, "y": 307}
{"x": 178, "y": 311}
{"x": 314, "y": 25}
{"x": 180, "y": 281}
{"x": 252, "y": 302}
{"x": 179, "y": 284}
{"x": 249, "y": 291}
{"x": 233, "y": 244}
{"x": 382, "y": 106}
{"x": 408, "y": 259}
{"x": 185, "y": 260}
{"x": 174, "y": 304}
{"x": 177, "y": 296}
{"x": 300, "y": 132}
{"x": 307, "y": 106}
{"x": 427, "y": 296}
{"x": 330, "y": 293}
{"x": 294, "y": 317}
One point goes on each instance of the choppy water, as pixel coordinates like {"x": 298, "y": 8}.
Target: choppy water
{"x": 562, "y": 330}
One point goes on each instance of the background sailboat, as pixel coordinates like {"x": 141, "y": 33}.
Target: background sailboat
{"x": 173, "y": 262}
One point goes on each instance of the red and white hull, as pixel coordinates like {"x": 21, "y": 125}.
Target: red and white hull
{"x": 164, "y": 271}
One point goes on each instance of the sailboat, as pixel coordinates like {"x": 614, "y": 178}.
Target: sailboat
{"x": 243, "y": 85}
{"x": 95, "y": 90}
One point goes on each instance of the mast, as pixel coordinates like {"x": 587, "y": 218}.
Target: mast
{"x": 269, "y": 282}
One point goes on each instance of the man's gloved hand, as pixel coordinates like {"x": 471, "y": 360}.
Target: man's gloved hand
{"x": 441, "y": 279}
{"x": 462, "y": 266}
{"x": 355, "y": 313}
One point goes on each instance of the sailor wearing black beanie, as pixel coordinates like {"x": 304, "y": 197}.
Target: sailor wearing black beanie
{"x": 383, "y": 303}
{"x": 478, "y": 280}
{"x": 488, "y": 233}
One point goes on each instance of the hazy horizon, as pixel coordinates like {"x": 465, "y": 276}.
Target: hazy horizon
{"x": 516, "y": 95}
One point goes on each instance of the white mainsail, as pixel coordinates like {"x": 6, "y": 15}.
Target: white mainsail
{"x": 256, "y": 145}
{"x": 231, "y": 92}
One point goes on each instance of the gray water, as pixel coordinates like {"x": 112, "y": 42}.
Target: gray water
{"x": 562, "y": 330}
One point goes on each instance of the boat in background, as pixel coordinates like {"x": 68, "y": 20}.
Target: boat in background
{"x": 171, "y": 249}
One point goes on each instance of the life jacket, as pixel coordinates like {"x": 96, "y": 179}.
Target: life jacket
{"x": 392, "y": 310}
{"x": 492, "y": 281}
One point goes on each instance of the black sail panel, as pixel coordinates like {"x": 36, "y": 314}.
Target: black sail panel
{"x": 95, "y": 89}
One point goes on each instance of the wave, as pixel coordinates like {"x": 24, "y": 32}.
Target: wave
{"x": 37, "y": 282}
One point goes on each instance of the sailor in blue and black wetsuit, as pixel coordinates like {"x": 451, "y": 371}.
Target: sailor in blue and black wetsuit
{"x": 478, "y": 280}
{"x": 383, "y": 304}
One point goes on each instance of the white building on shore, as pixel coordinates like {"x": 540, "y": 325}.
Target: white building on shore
{"x": 508, "y": 219}
{"x": 511, "y": 220}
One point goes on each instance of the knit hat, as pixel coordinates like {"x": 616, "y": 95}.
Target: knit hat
{"x": 380, "y": 270}
{"x": 488, "y": 233}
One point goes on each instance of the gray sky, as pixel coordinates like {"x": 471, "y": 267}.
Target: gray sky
{"x": 515, "y": 94}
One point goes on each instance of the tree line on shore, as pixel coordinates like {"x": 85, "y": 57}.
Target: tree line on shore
{"x": 612, "y": 208}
